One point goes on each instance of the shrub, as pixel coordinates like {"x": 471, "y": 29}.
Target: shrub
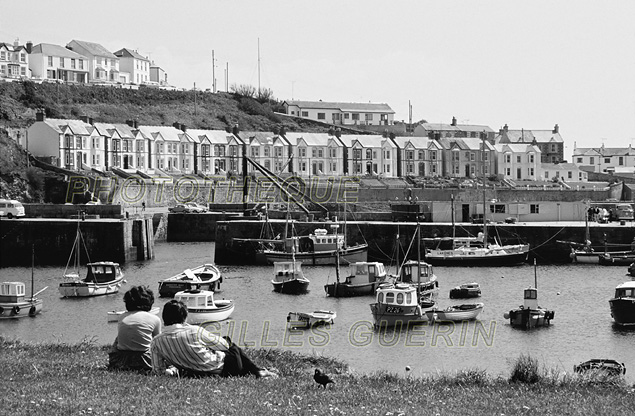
{"x": 525, "y": 370}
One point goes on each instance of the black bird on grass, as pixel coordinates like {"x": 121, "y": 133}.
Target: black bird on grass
{"x": 321, "y": 378}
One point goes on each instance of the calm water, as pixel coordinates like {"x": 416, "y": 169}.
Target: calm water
{"x": 582, "y": 328}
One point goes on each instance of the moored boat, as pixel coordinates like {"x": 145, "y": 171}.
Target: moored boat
{"x": 467, "y": 290}
{"x": 465, "y": 312}
{"x": 396, "y": 305}
{"x": 475, "y": 251}
{"x": 601, "y": 365}
{"x": 204, "y": 277}
{"x": 202, "y": 307}
{"x": 623, "y": 304}
{"x": 15, "y": 304}
{"x": 616, "y": 259}
{"x": 631, "y": 269}
{"x": 113, "y": 316}
{"x": 529, "y": 314}
{"x": 102, "y": 278}
{"x": 362, "y": 280}
{"x": 309, "y": 319}
{"x": 421, "y": 276}
{"x": 289, "y": 278}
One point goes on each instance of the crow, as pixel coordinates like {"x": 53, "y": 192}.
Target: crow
{"x": 321, "y": 378}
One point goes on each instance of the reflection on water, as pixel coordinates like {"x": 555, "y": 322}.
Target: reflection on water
{"x": 579, "y": 294}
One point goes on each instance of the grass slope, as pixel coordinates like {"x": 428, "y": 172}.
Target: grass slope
{"x": 67, "y": 379}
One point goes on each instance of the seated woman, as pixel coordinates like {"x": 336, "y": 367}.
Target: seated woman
{"x": 191, "y": 350}
{"x": 137, "y": 327}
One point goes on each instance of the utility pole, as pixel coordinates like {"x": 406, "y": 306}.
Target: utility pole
{"x": 227, "y": 76}
{"x": 195, "y": 98}
{"x": 258, "y": 66}
{"x": 213, "y": 72}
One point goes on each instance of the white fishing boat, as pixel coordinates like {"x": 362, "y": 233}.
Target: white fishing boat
{"x": 14, "y": 302}
{"x": 113, "y": 316}
{"x": 102, "y": 278}
{"x": 456, "y": 313}
{"x": 309, "y": 319}
{"x": 289, "y": 278}
{"x": 202, "y": 307}
{"x": 204, "y": 277}
{"x": 362, "y": 280}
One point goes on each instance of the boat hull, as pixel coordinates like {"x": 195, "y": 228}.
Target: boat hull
{"x": 307, "y": 320}
{"x": 320, "y": 258}
{"x": 389, "y": 316}
{"x": 13, "y": 310}
{"x": 616, "y": 259}
{"x": 584, "y": 257}
{"x": 457, "y": 293}
{"x": 291, "y": 287}
{"x": 457, "y": 313}
{"x": 344, "y": 290}
{"x": 222, "y": 311}
{"x": 88, "y": 289}
{"x": 454, "y": 258}
{"x": 530, "y": 318}
{"x": 204, "y": 277}
{"x": 623, "y": 311}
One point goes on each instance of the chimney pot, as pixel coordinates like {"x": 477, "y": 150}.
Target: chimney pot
{"x": 40, "y": 115}
{"x": 176, "y": 125}
{"x": 556, "y": 129}
{"x": 505, "y": 128}
{"x": 235, "y": 129}
{"x": 29, "y": 46}
{"x": 454, "y": 121}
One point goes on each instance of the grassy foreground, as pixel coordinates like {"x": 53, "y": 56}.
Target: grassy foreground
{"x": 63, "y": 379}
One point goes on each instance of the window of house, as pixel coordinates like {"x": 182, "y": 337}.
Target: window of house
{"x": 369, "y": 154}
{"x": 569, "y": 175}
{"x": 607, "y": 160}
{"x": 22, "y": 57}
{"x": 357, "y": 153}
{"x": 531, "y": 158}
{"x": 369, "y": 116}
{"x": 534, "y": 208}
{"x": 3, "y": 55}
{"x": 531, "y": 172}
{"x": 302, "y": 152}
{"x": 410, "y": 154}
{"x": 305, "y": 114}
{"x": 278, "y": 151}
{"x": 321, "y": 116}
{"x": 314, "y": 153}
{"x": 255, "y": 151}
{"x": 387, "y": 154}
{"x": 421, "y": 155}
{"x": 485, "y": 156}
{"x": 336, "y": 116}
{"x": 22, "y": 71}
{"x": 579, "y": 160}
{"x": 508, "y": 172}
{"x": 554, "y": 148}
{"x": 591, "y": 160}
{"x": 333, "y": 166}
{"x": 320, "y": 152}
{"x": 620, "y": 160}
{"x": 508, "y": 158}
{"x": 355, "y": 116}
{"x": 472, "y": 157}
{"x": 303, "y": 166}
{"x": 267, "y": 151}
{"x": 433, "y": 169}
{"x": 332, "y": 153}
{"x": 433, "y": 155}
{"x": 518, "y": 158}
{"x": 81, "y": 64}
{"x": 50, "y": 61}
{"x": 497, "y": 208}
{"x": 346, "y": 115}
{"x": 61, "y": 62}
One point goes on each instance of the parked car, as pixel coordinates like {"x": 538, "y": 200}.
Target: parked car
{"x": 188, "y": 207}
{"x": 197, "y": 207}
{"x": 11, "y": 208}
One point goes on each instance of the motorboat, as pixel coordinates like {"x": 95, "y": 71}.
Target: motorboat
{"x": 202, "y": 307}
{"x": 362, "y": 280}
{"x": 623, "y": 304}
{"x": 631, "y": 269}
{"x": 616, "y": 259}
{"x": 310, "y": 319}
{"x": 420, "y": 275}
{"x": 529, "y": 314}
{"x": 204, "y": 277}
{"x": 289, "y": 278}
{"x": 467, "y": 290}
{"x": 14, "y": 302}
{"x": 102, "y": 278}
{"x": 601, "y": 366}
{"x": 113, "y": 316}
{"x": 456, "y": 313}
{"x": 396, "y": 305}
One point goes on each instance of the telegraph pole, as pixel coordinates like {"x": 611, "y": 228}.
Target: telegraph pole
{"x": 213, "y": 72}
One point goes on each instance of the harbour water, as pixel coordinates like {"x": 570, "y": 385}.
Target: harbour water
{"x": 582, "y": 328}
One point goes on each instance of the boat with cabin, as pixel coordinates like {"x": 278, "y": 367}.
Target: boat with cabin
{"x": 362, "y": 280}
{"x": 466, "y": 291}
{"x": 289, "y": 278}
{"x": 396, "y": 305}
{"x": 420, "y": 275}
{"x": 102, "y": 278}
{"x": 310, "y": 319}
{"x": 14, "y": 302}
{"x": 455, "y": 313}
{"x": 202, "y": 307}
{"x": 623, "y": 304}
{"x": 529, "y": 314}
{"x": 204, "y": 277}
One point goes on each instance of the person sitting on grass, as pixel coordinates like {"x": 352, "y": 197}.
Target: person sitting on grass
{"x": 190, "y": 350}
{"x": 136, "y": 328}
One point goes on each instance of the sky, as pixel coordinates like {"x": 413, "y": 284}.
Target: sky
{"x": 530, "y": 64}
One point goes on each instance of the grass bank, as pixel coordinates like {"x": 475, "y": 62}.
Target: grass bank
{"x": 64, "y": 379}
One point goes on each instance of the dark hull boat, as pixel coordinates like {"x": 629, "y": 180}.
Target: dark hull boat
{"x": 288, "y": 278}
{"x": 623, "y": 304}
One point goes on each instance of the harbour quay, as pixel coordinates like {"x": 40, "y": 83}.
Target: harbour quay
{"x": 51, "y": 239}
{"x": 236, "y": 241}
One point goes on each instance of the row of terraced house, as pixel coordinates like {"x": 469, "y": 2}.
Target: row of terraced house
{"x": 83, "y": 144}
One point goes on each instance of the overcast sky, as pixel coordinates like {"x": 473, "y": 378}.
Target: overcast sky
{"x": 527, "y": 64}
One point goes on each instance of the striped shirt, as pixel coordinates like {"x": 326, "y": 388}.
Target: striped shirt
{"x": 188, "y": 347}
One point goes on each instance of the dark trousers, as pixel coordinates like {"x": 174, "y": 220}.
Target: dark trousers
{"x": 237, "y": 363}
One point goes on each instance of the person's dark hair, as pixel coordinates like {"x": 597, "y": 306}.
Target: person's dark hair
{"x": 174, "y": 312}
{"x": 139, "y": 298}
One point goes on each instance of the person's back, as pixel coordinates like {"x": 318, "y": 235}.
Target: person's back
{"x": 136, "y": 330}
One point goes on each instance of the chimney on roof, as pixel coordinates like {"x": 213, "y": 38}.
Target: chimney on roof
{"x": 183, "y": 128}
{"x": 235, "y": 129}
{"x": 505, "y": 128}
{"x": 176, "y": 125}
{"x": 556, "y": 129}
{"x": 384, "y": 134}
{"x": 454, "y": 121}
{"x": 331, "y": 131}
{"x": 392, "y": 135}
{"x": 282, "y": 131}
{"x": 16, "y": 43}
{"x": 29, "y": 46}
{"x": 130, "y": 123}
{"x": 40, "y": 115}
{"x": 275, "y": 130}
{"x": 85, "y": 119}
{"x": 338, "y": 132}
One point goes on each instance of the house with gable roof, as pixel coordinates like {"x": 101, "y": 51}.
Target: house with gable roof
{"x": 604, "y": 159}
{"x": 439, "y": 131}
{"x": 518, "y": 161}
{"x": 166, "y": 141}
{"x": 341, "y": 113}
{"x": 125, "y": 146}
{"x": 135, "y": 64}
{"x": 61, "y": 142}
{"x": 418, "y": 156}
{"x": 468, "y": 157}
{"x": 14, "y": 60}
{"x": 371, "y": 155}
{"x": 569, "y": 172}
{"x": 550, "y": 142}
{"x": 311, "y": 154}
{"x": 103, "y": 65}
{"x": 57, "y": 63}
{"x": 214, "y": 151}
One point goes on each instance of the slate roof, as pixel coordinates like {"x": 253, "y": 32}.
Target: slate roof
{"x": 604, "y": 151}
{"x": 77, "y": 126}
{"x": 130, "y": 53}
{"x": 94, "y": 48}
{"x": 345, "y": 107}
{"x": 55, "y": 50}
{"x": 124, "y": 130}
{"x": 311, "y": 139}
{"x": 214, "y": 136}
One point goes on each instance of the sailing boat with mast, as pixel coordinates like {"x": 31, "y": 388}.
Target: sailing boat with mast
{"x": 13, "y": 300}
{"x": 318, "y": 248}
{"x": 474, "y": 251}
{"x": 102, "y": 278}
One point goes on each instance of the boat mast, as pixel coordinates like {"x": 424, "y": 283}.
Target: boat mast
{"x": 484, "y": 219}
{"x": 32, "y": 267}
{"x": 535, "y": 275}
{"x": 418, "y": 258}
{"x": 453, "y": 219}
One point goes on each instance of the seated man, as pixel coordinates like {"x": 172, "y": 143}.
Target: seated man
{"x": 194, "y": 351}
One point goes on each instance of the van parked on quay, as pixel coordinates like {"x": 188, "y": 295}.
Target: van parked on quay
{"x": 624, "y": 212}
{"x": 11, "y": 208}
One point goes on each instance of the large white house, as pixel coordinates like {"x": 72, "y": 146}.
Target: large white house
{"x": 518, "y": 161}
{"x": 103, "y": 65}
{"x": 57, "y": 63}
{"x": 342, "y": 113}
{"x": 14, "y": 60}
{"x": 604, "y": 159}
{"x": 135, "y": 64}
